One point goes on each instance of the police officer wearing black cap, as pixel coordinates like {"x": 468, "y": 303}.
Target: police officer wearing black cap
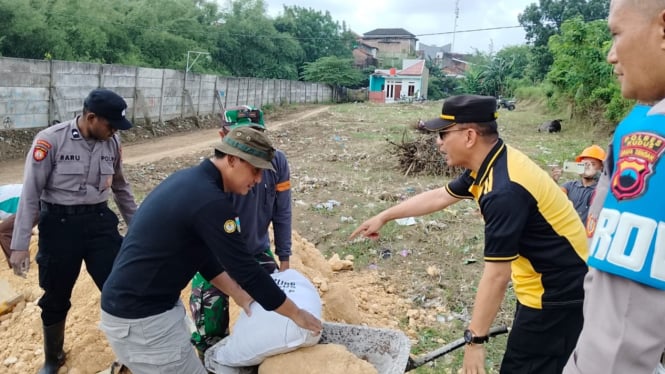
{"x": 532, "y": 233}
{"x": 70, "y": 171}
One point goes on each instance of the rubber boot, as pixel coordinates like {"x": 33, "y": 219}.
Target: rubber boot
{"x": 54, "y": 338}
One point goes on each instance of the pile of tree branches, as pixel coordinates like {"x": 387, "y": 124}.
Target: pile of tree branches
{"x": 420, "y": 156}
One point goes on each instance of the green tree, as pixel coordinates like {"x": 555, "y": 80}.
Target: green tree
{"x": 249, "y": 45}
{"x": 334, "y": 71}
{"x": 542, "y": 21}
{"x": 24, "y": 32}
{"x": 318, "y": 34}
{"x": 517, "y": 57}
{"x": 162, "y": 31}
{"x": 580, "y": 73}
{"x": 439, "y": 85}
{"x": 472, "y": 82}
{"x": 494, "y": 77}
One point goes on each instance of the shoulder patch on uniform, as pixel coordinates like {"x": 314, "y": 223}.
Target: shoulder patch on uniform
{"x": 39, "y": 152}
{"x": 44, "y": 143}
{"x": 230, "y": 226}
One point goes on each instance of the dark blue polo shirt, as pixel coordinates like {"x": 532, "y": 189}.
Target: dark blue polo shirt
{"x": 268, "y": 202}
{"x": 186, "y": 224}
{"x": 580, "y": 196}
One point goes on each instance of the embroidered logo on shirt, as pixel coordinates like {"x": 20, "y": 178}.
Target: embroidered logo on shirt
{"x": 76, "y": 134}
{"x": 230, "y": 226}
{"x": 638, "y": 156}
{"x": 39, "y": 153}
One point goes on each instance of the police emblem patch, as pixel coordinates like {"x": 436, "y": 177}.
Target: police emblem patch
{"x": 39, "y": 153}
{"x": 638, "y": 155}
{"x": 230, "y": 226}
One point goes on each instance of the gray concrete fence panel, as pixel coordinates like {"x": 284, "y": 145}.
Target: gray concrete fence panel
{"x": 34, "y": 93}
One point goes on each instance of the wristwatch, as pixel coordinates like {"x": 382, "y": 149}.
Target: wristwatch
{"x": 469, "y": 338}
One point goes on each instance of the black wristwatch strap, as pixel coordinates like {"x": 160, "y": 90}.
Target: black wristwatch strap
{"x": 470, "y": 338}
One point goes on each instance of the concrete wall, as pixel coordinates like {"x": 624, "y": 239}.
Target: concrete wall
{"x": 33, "y": 93}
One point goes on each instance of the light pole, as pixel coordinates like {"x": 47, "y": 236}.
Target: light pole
{"x": 189, "y": 66}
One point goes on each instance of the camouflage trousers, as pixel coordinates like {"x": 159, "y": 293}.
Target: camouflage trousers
{"x": 210, "y": 307}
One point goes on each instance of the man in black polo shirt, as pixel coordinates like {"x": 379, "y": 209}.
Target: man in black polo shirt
{"x": 188, "y": 224}
{"x": 531, "y": 232}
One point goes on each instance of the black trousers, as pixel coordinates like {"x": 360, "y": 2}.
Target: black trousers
{"x": 541, "y": 340}
{"x": 65, "y": 241}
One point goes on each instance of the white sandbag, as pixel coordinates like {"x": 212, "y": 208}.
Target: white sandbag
{"x": 265, "y": 333}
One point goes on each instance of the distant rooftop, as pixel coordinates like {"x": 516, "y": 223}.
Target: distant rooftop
{"x": 388, "y": 33}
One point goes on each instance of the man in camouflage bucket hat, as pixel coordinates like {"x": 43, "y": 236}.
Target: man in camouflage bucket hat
{"x": 187, "y": 224}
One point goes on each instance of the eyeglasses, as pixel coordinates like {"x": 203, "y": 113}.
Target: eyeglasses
{"x": 442, "y": 134}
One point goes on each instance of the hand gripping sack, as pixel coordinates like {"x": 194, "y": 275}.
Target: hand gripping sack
{"x": 265, "y": 334}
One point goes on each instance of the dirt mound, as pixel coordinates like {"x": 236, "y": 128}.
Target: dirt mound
{"x": 346, "y": 296}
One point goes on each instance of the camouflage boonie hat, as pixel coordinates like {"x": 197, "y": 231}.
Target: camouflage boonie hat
{"x": 250, "y": 145}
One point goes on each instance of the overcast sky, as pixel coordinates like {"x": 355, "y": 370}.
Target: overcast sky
{"x": 421, "y": 17}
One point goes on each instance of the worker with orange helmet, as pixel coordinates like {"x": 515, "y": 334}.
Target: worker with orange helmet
{"x": 580, "y": 191}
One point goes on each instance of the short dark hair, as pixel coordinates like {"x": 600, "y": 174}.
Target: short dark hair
{"x": 482, "y": 129}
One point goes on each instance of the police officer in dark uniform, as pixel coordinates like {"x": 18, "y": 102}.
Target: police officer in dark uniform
{"x": 70, "y": 171}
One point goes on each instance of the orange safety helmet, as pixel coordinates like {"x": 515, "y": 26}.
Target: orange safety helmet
{"x": 593, "y": 151}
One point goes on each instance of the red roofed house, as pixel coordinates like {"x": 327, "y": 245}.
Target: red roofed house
{"x": 391, "y": 85}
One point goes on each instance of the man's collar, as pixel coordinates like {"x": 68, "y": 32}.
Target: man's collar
{"x": 658, "y": 108}
{"x": 74, "y": 132}
{"x": 489, "y": 161}
{"x": 211, "y": 170}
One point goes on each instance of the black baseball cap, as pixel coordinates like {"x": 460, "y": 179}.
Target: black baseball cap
{"x": 465, "y": 109}
{"x": 108, "y": 104}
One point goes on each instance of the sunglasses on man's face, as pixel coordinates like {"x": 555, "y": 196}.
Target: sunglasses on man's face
{"x": 442, "y": 134}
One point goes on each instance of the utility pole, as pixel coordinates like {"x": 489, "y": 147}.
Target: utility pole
{"x": 188, "y": 66}
{"x": 452, "y": 45}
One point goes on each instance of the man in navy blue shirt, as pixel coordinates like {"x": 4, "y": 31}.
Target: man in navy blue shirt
{"x": 267, "y": 202}
{"x": 188, "y": 223}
